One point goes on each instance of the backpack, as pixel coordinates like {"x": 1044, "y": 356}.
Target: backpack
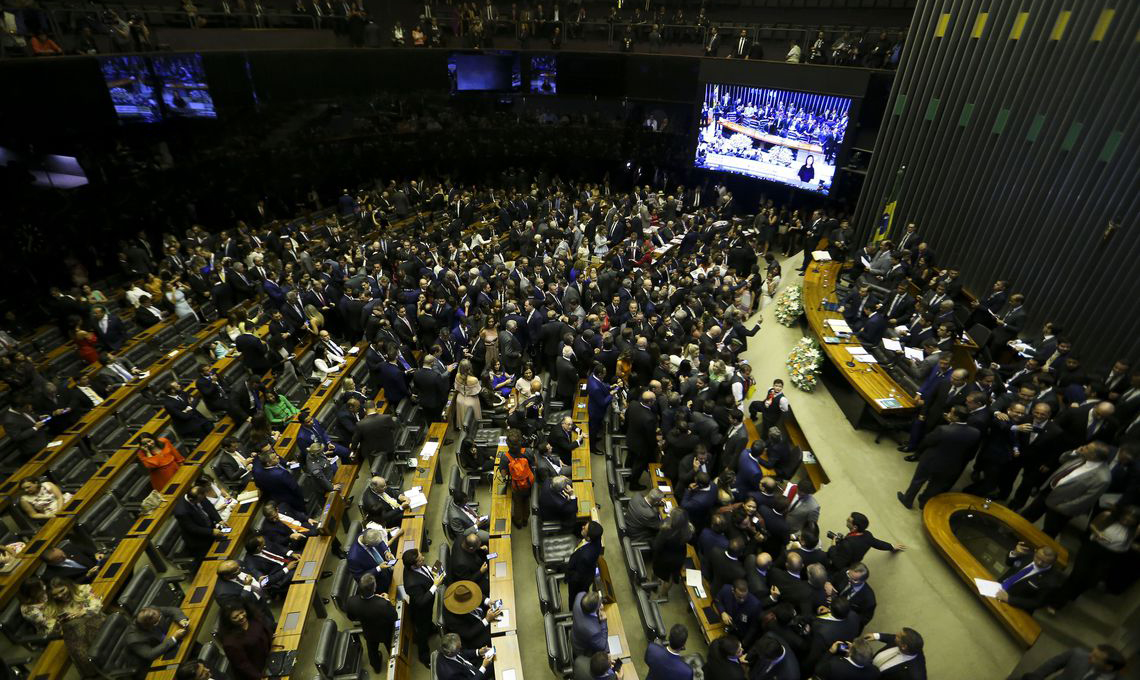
{"x": 522, "y": 478}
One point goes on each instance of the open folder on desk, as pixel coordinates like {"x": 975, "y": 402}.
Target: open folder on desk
{"x": 987, "y": 588}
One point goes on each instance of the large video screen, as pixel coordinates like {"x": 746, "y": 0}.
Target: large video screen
{"x": 779, "y": 135}
{"x": 184, "y": 89}
{"x": 544, "y": 74}
{"x": 484, "y": 72}
{"x": 133, "y": 89}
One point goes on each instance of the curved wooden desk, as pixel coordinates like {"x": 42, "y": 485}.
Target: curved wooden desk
{"x": 936, "y": 520}
{"x": 871, "y": 381}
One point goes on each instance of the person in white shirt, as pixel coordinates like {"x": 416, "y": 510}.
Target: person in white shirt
{"x": 326, "y": 363}
{"x": 794, "y": 53}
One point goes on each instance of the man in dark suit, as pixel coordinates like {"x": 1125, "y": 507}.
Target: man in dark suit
{"x": 850, "y": 548}
{"x": 71, "y": 561}
{"x": 369, "y": 554}
{"x": 936, "y": 395}
{"x": 456, "y": 663}
{"x": 147, "y": 314}
{"x": 582, "y": 564}
{"x": 215, "y": 395}
{"x": 271, "y": 564}
{"x": 942, "y": 455}
{"x": 641, "y": 437}
{"x": 566, "y": 377}
{"x": 1009, "y": 323}
{"x": 255, "y": 354}
{"x": 832, "y": 622}
{"x": 564, "y": 438}
{"x": 467, "y": 561}
{"x": 431, "y": 388}
{"x": 233, "y": 584}
{"x": 902, "y": 657}
{"x": 27, "y": 430}
{"x": 465, "y": 615}
{"x": 109, "y": 329}
{"x": 421, "y": 586}
{"x": 665, "y": 661}
{"x": 199, "y": 521}
{"x": 1103, "y": 662}
{"x": 1030, "y": 577}
{"x": 726, "y": 566}
{"x": 872, "y": 327}
{"x": 146, "y": 639}
{"x": 856, "y": 663}
{"x": 742, "y": 45}
{"x": 347, "y": 418}
{"x": 851, "y": 584}
{"x": 187, "y": 421}
{"x": 375, "y": 434}
{"x": 899, "y": 305}
{"x": 556, "y": 501}
{"x": 383, "y": 504}
{"x": 376, "y": 616}
{"x": 276, "y": 483}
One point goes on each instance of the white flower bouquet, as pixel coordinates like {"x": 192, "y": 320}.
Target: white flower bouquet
{"x": 804, "y": 364}
{"x": 790, "y": 305}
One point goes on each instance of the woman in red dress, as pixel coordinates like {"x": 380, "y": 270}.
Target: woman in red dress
{"x": 159, "y": 456}
{"x": 85, "y": 343}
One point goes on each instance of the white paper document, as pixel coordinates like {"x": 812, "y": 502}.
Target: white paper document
{"x": 865, "y": 359}
{"x": 416, "y": 500}
{"x": 429, "y": 450}
{"x": 912, "y": 353}
{"x": 821, "y": 256}
{"x": 504, "y": 621}
{"x": 857, "y": 350}
{"x": 353, "y": 350}
{"x": 892, "y": 344}
{"x": 615, "y": 645}
{"x": 693, "y": 578}
{"x": 987, "y": 588}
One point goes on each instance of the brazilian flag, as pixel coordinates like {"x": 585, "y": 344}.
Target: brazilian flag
{"x": 890, "y": 202}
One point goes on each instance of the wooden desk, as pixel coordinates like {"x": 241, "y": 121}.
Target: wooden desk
{"x": 870, "y": 381}
{"x": 119, "y": 564}
{"x": 428, "y": 470}
{"x": 500, "y": 572}
{"x": 775, "y": 140}
{"x": 586, "y": 507}
{"x": 195, "y": 605}
{"x": 708, "y": 620}
{"x": 508, "y": 658}
{"x": 500, "y": 518}
{"x": 936, "y": 521}
{"x": 617, "y": 629}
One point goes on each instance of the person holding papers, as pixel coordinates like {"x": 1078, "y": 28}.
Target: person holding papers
{"x": 383, "y": 505}
{"x": 1029, "y": 579}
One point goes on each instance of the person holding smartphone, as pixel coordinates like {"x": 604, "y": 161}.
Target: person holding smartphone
{"x": 456, "y": 663}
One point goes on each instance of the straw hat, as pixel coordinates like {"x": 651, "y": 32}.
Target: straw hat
{"x": 462, "y": 597}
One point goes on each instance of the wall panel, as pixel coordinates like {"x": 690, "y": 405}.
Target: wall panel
{"x": 1028, "y": 152}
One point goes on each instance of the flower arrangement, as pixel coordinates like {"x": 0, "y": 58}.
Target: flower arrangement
{"x": 790, "y": 305}
{"x": 804, "y": 363}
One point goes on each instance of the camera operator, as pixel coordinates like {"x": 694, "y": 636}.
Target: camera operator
{"x": 851, "y": 547}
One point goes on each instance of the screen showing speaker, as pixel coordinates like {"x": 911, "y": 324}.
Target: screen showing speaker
{"x": 779, "y": 135}
{"x": 133, "y": 88}
{"x": 184, "y": 90}
{"x": 484, "y": 72}
{"x": 544, "y": 74}
{"x": 149, "y": 89}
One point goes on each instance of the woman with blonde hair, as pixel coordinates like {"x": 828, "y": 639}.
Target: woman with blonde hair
{"x": 77, "y": 614}
{"x": 467, "y": 389}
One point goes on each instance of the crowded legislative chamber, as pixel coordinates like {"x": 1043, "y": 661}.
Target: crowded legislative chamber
{"x": 585, "y": 340}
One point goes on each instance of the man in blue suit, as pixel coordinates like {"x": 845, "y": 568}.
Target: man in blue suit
{"x": 109, "y": 329}
{"x": 600, "y": 395}
{"x": 748, "y": 472}
{"x": 665, "y": 662}
{"x": 312, "y": 431}
{"x": 394, "y": 382}
{"x": 699, "y": 500}
{"x": 370, "y": 554}
{"x": 589, "y": 632}
{"x": 276, "y": 483}
{"x": 872, "y": 326}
